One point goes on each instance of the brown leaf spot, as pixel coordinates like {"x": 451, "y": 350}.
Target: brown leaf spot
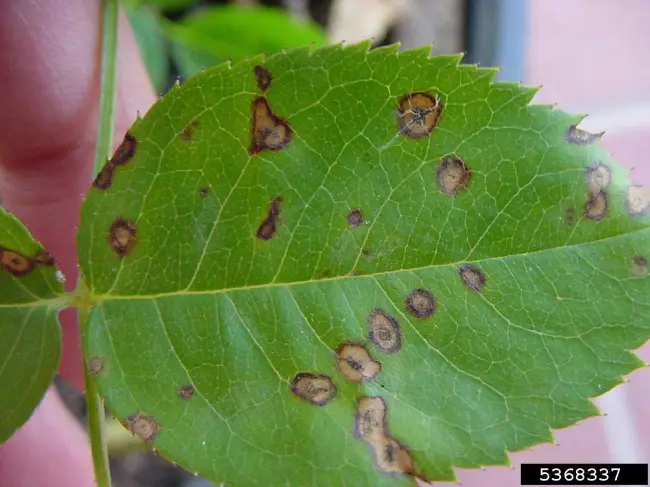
{"x": 95, "y": 365}
{"x": 142, "y": 425}
{"x": 355, "y": 363}
{"x": 453, "y": 175}
{"x": 44, "y": 258}
{"x": 204, "y": 191}
{"x": 370, "y": 419}
{"x": 125, "y": 152}
{"x": 384, "y": 331}
{"x": 263, "y": 77}
{"x": 316, "y": 389}
{"x": 418, "y": 114}
{"x": 596, "y": 206}
{"x": 638, "y": 200}
{"x": 639, "y": 265}
{"x": 15, "y": 263}
{"x": 472, "y": 277}
{"x": 104, "y": 178}
{"x": 186, "y": 391}
{"x": 421, "y": 303}
{"x": 391, "y": 457}
{"x": 122, "y": 236}
{"x": 269, "y": 131}
{"x": 268, "y": 227}
{"x": 355, "y": 218}
{"x": 598, "y": 178}
{"x": 581, "y": 137}
{"x": 188, "y": 132}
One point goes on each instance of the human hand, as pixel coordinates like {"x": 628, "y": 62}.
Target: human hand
{"x": 49, "y": 90}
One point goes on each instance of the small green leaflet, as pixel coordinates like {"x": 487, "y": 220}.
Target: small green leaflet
{"x": 289, "y": 243}
{"x": 30, "y": 336}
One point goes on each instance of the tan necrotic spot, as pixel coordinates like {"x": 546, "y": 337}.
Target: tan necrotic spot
{"x": 596, "y": 206}
{"x": 263, "y": 77}
{"x": 384, "y": 331}
{"x": 269, "y": 131}
{"x": 104, "y": 178}
{"x": 186, "y": 391}
{"x": 452, "y": 175}
{"x": 355, "y": 363}
{"x": 15, "y": 263}
{"x": 597, "y": 178}
{"x": 125, "y": 152}
{"x": 371, "y": 427}
{"x": 638, "y": 200}
{"x": 122, "y": 236}
{"x": 95, "y": 365}
{"x": 421, "y": 303}
{"x": 370, "y": 419}
{"x": 418, "y": 114}
{"x": 639, "y": 265}
{"x": 472, "y": 277}
{"x": 581, "y": 137}
{"x": 268, "y": 227}
{"x": 315, "y": 389}
{"x": 143, "y": 426}
{"x": 392, "y": 458}
{"x": 355, "y": 218}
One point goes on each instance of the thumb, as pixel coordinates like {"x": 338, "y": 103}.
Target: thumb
{"x": 50, "y": 79}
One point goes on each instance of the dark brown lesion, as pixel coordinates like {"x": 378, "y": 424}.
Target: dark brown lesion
{"x": 104, "y": 178}
{"x": 263, "y": 77}
{"x": 418, "y": 114}
{"x": 269, "y": 226}
{"x": 122, "y": 156}
{"x": 186, "y": 391}
{"x": 122, "y": 236}
{"x": 355, "y": 217}
{"x": 125, "y": 152}
{"x": 188, "y": 132}
{"x": 569, "y": 216}
{"x": 269, "y": 132}
{"x": 43, "y": 257}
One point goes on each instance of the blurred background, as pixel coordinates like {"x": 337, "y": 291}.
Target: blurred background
{"x": 590, "y": 57}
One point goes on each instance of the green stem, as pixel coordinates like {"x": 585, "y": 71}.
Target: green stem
{"x": 96, "y": 418}
{"x": 95, "y": 415}
{"x": 103, "y": 148}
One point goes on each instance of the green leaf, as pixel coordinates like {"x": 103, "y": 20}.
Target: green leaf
{"x": 153, "y": 45}
{"x": 212, "y": 35}
{"x": 241, "y": 236}
{"x": 30, "y": 337}
{"x": 165, "y": 5}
